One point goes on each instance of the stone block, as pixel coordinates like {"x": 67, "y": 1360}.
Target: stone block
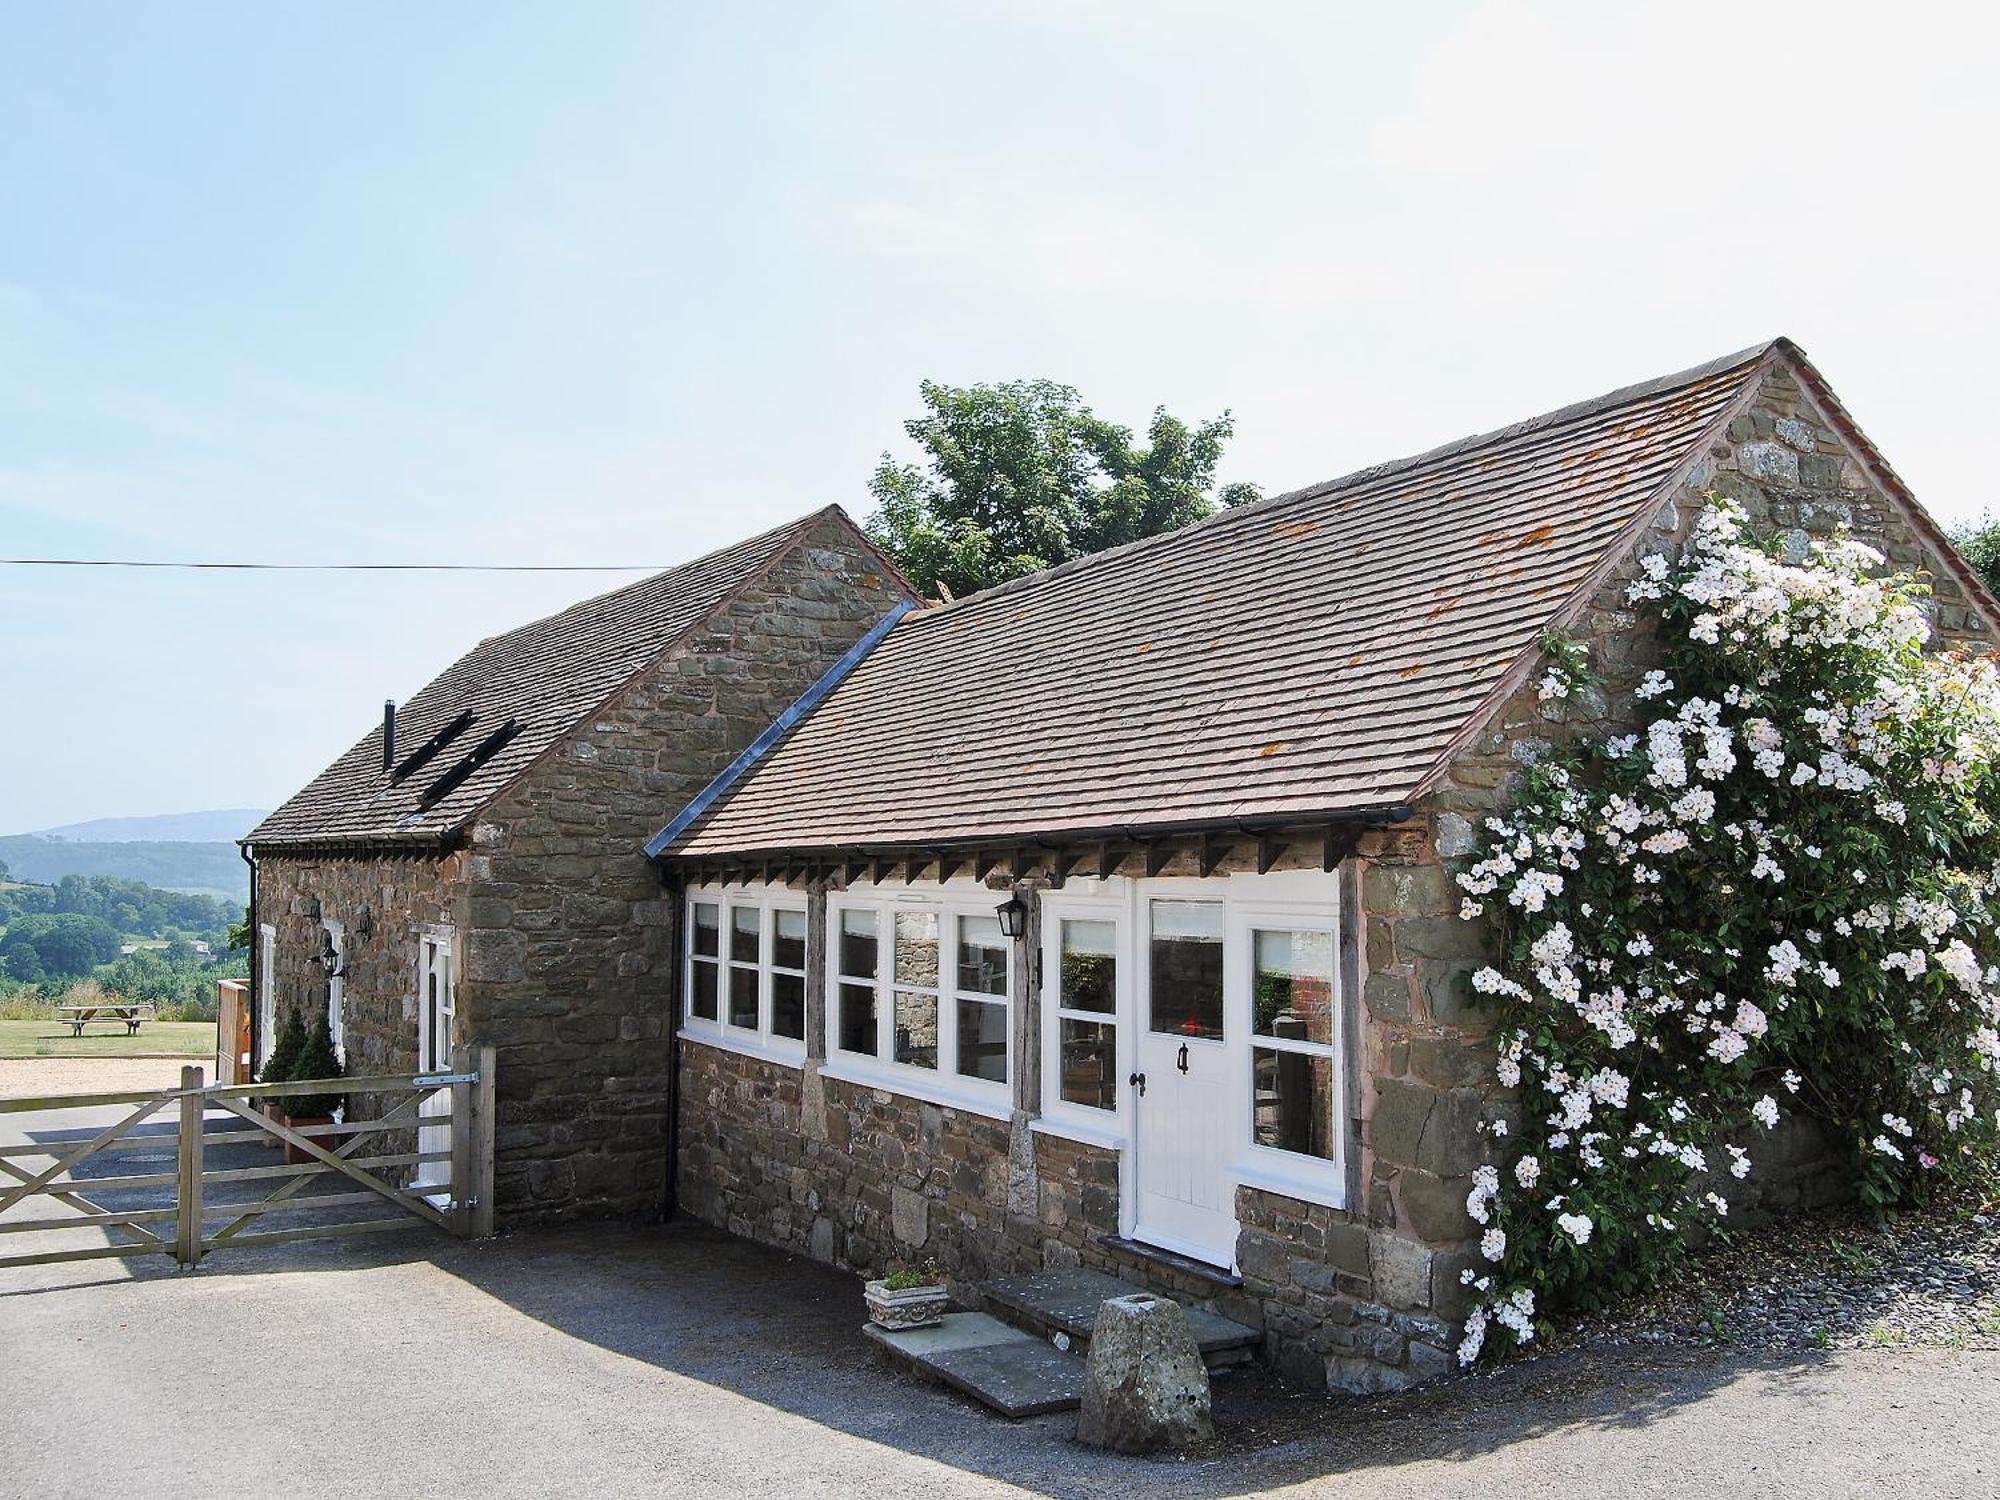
{"x": 1446, "y": 937}
{"x": 1400, "y": 1269}
{"x": 1452, "y": 1143}
{"x": 1456, "y": 836}
{"x": 1145, "y": 1386}
{"x": 1434, "y": 1206}
{"x": 1387, "y": 996}
{"x": 1396, "y": 1128}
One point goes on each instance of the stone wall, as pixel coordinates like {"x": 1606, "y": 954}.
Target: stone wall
{"x": 1427, "y": 1054}
{"x": 400, "y": 896}
{"x": 569, "y": 948}
{"x": 863, "y": 1177}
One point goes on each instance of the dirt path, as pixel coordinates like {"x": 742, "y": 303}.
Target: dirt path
{"x": 31, "y": 1077}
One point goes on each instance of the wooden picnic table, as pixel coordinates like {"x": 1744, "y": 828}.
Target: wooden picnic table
{"x": 76, "y": 1017}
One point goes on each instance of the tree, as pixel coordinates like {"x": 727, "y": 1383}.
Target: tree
{"x": 1979, "y": 544}
{"x": 1022, "y": 476}
{"x": 64, "y": 945}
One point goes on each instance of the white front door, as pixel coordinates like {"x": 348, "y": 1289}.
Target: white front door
{"x": 437, "y": 1016}
{"x": 1184, "y": 1141}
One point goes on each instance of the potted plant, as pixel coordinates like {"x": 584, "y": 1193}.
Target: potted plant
{"x": 316, "y": 1060}
{"x": 285, "y": 1049}
{"x": 908, "y": 1297}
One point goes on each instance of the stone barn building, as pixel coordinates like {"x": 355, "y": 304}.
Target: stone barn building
{"x": 474, "y": 870}
{"x": 1106, "y": 919}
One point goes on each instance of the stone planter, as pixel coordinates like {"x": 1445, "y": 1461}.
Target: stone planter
{"x": 912, "y": 1307}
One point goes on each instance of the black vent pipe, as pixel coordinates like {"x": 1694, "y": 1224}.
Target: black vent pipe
{"x": 388, "y": 735}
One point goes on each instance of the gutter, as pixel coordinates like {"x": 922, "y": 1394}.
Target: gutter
{"x": 1373, "y": 815}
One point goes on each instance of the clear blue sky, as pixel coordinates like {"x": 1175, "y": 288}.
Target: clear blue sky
{"x": 621, "y": 283}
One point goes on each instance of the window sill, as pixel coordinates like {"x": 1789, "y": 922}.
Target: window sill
{"x": 926, "y": 1090}
{"x": 1328, "y": 1188}
{"x": 696, "y": 1031}
{"x": 1110, "y": 1135}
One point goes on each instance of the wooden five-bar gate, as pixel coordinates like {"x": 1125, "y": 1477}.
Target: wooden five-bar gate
{"x": 450, "y": 1186}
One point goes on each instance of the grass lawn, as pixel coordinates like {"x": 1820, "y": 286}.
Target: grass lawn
{"x": 107, "y": 1039}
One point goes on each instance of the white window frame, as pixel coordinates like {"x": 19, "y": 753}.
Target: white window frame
{"x": 766, "y": 899}
{"x": 336, "y": 990}
{"x": 1315, "y": 1179}
{"x": 950, "y": 903}
{"x": 267, "y": 993}
{"x": 1292, "y": 901}
{"x": 1080, "y": 1121}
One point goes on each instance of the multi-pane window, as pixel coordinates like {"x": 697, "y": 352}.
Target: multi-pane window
{"x": 982, "y": 999}
{"x": 922, "y": 987}
{"x": 746, "y": 949}
{"x": 1186, "y": 969}
{"x": 788, "y": 974}
{"x": 1291, "y": 1055}
{"x": 705, "y": 960}
{"x": 916, "y": 1010}
{"x": 746, "y": 969}
{"x": 1085, "y": 1005}
{"x": 859, "y": 968}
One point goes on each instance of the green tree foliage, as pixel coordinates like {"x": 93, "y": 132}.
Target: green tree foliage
{"x": 57, "y": 946}
{"x": 130, "y": 906}
{"x": 1979, "y": 543}
{"x": 1022, "y": 476}
{"x": 286, "y": 1048}
{"x": 316, "y": 1059}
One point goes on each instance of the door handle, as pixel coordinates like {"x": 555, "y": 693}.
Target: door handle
{"x": 1138, "y": 1081}
{"x": 1183, "y": 1062}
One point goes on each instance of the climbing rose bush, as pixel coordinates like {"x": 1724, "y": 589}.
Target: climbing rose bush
{"x": 1780, "y": 896}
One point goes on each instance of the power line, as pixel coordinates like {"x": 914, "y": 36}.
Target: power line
{"x": 259, "y": 567}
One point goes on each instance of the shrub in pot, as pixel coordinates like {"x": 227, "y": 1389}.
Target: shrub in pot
{"x": 285, "y": 1049}
{"x": 316, "y": 1059}
{"x": 908, "y": 1297}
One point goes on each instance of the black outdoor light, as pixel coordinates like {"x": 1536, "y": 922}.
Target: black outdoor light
{"x": 1013, "y": 915}
{"x": 329, "y": 956}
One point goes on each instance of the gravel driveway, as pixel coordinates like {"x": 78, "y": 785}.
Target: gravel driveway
{"x": 614, "y": 1361}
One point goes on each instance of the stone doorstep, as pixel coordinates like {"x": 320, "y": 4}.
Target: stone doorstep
{"x": 1047, "y": 1303}
{"x": 1002, "y": 1367}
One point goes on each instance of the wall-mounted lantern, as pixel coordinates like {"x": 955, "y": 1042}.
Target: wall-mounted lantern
{"x": 1013, "y": 915}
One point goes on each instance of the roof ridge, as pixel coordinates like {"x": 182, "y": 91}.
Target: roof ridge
{"x": 1456, "y": 448}
{"x": 775, "y": 535}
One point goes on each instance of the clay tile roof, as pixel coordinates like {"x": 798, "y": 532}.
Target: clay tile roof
{"x": 1310, "y": 654}
{"x": 522, "y": 691}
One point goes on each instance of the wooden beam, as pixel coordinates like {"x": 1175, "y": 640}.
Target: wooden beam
{"x": 1061, "y": 862}
{"x": 1106, "y": 865}
{"x": 1157, "y": 856}
{"x": 1213, "y": 850}
{"x": 984, "y": 863}
{"x": 1269, "y": 847}
{"x": 947, "y": 866}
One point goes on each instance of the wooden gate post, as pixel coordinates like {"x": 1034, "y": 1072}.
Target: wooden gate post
{"x": 462, "y": 1189}
{"x": 187, "y": 1239}
{"x": 482, "y": 1117}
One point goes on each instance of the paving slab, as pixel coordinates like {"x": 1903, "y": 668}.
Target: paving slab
{"x": 1015, "y": 1374}
{"x": 1067, "y": 1302}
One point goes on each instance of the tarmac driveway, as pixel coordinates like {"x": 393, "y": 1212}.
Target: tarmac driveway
{"x": 609, "y": 1361}
{"x": 614, "y": 1361}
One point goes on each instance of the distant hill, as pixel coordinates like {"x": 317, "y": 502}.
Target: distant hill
{"x": 223, "y": 825}
{"x": 210, "y": 867}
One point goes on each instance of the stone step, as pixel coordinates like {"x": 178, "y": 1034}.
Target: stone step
{"x": 1063, "y": 1305}
{"x": 1015, "y": 1373}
